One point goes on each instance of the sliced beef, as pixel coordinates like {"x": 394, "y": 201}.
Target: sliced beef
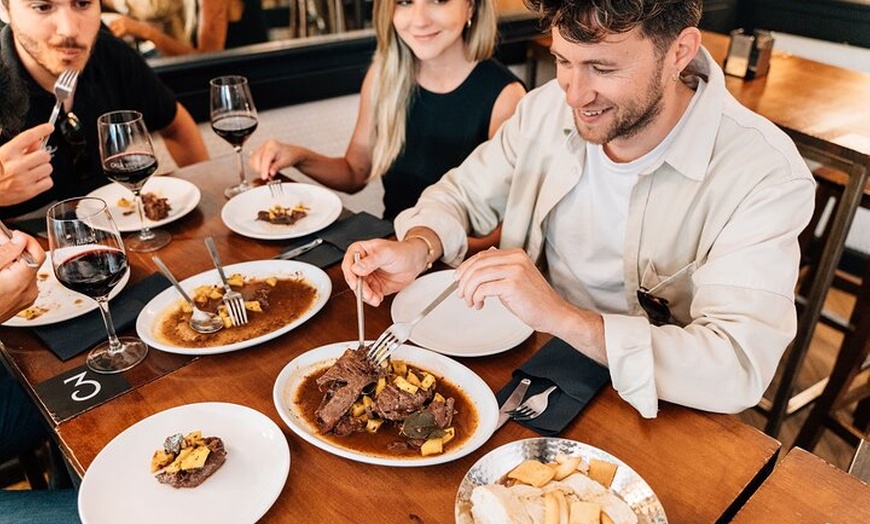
{"x": 347, "y": 425}
{"x": 343, "y": 382}
{"x": 191, "y": 478}
{"x": 443, "y": 412}
{"x": 395, "y": 404}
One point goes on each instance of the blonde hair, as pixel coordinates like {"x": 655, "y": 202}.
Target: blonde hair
{"x": 395, "y": 67}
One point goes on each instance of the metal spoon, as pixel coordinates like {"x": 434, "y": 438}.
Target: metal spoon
{"x": 200, "y": 321}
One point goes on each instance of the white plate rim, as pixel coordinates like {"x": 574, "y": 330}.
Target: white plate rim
{"x": 255, "y": 268}
{"x": 46, "y": 319}
{"x": 438, "y": 280}
{"x": 167, "y": 184}
{"x": 327, "y": 198}
{"x": 624, "y": 473}
{"x": 190, "y": 417}
{"x": 486, "y": 404}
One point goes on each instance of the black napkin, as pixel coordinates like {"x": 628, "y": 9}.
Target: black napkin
{"x": 339, "y": 236}
{"x": 577, "y": 376}
{"x": 69, "y": 338}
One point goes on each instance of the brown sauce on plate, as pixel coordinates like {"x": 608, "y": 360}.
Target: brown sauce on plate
{"x": 307, "y": 399}
{"x": 289, "y": 299}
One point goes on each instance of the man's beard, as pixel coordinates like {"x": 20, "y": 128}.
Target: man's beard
{"x": 42, "y": 53}
{"x": 635, "y": 120}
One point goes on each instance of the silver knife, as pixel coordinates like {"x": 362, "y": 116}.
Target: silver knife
{"x": 512, "y": 401}
{"x": 304, "y": 248}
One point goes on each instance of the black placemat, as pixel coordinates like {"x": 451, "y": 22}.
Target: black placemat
{"x": 69, "y": 338}
{"x": 577, "y": 376}
{"x": 339, "y": 236}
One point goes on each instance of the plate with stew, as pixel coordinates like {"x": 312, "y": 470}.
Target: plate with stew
{"x": 373, "y": 422}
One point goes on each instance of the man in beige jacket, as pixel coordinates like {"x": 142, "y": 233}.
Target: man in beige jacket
{"x": 649, "y": 219}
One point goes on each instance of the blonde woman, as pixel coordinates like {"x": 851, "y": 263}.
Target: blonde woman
{"x": 431, "y": 95}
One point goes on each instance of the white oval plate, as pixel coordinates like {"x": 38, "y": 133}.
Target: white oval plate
{"x": 493, "y": 466}
{"x": 183, "y": 198}
{"x": 453, "y": 328}
{"x": 146, "y": 322}
{"x": 240, "y": 213}
{"x": 61, "y": 302}
{"x": 294, "y": 373}
{"x": 119, "y": 487}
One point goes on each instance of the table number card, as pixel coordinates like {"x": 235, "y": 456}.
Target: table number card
{"x": 77, "y": 391}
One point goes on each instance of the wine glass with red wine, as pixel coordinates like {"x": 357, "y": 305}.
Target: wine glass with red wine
{"x": 127, "y": 157}
{"x": 233, "y": 118}
{"x": 88, "y": 257}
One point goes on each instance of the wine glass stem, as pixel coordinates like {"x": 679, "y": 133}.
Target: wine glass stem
{"x": 144, "y": 232}
{"x": 241, "y": 165}
{"x": 114, "y": 343}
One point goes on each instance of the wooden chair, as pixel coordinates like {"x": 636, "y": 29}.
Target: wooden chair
{"x": 830, "y": 186}
{"x": 837, "y": 391}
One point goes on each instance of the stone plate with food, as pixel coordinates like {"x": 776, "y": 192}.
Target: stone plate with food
{"x": 166, "y": 199}
{"x": 554, "y": 480}
{"x": 119, "y": 485}
{"x": 55, "y": 302}
{"x": 279, "y": 296}
{"x": 404, "y": 432}
{"x": 301, "y": 210}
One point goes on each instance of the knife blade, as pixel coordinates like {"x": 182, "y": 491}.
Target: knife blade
{"x": 512, "y": 401}
{"x": 304, "y": 248}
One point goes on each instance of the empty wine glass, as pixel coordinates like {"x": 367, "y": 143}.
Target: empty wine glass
{"x": 88, "y": 257}
{"x": 127, "y": 157}
{"x": 233, "y": 118}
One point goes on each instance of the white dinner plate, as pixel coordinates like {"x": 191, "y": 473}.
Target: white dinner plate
{"x": 240, "y": 213}
{"x": 493, "y": 466}
{"x": 147, "y": 322}
{"x": 59, "y": 302}
{"x": 453, "y": 328}
{"x": 182, "y": 195}
{"x": 119, "y": 486}
{"x": 478, "y": 393}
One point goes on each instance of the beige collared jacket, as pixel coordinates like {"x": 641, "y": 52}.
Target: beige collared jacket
{"x": 713, "y": 228}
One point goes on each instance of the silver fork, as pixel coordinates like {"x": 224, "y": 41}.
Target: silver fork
{"x": 395, "y": 335}
{"x": 63, "y": 88}
{"x": 533, "y": 406}
{"x": 233, "y": 300}
{"x": 276, "y": 189}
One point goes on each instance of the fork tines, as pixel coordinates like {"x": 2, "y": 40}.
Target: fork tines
{"x": 236, "y": 308}
{"x": 276, "y": 188}
{"x": 382, "y": 348}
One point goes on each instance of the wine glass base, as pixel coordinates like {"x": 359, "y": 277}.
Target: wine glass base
{"x": 101, "y": 360}
{"x": 158, "y": 240}
{"x": 232, "y": 191}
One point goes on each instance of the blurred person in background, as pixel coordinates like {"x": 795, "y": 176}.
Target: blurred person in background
{"x": 210, "y": 25}
{"x": 432, "y": 94}
{"x": 42, "y": 40}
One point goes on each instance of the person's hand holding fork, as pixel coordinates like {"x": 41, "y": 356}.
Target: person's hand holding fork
{"x": 25, "y": 166}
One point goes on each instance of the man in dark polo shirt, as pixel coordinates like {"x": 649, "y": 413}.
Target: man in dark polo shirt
{"x": 45, "y": 38}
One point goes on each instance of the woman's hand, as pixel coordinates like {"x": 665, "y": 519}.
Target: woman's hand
{"x": 272, "y": 156}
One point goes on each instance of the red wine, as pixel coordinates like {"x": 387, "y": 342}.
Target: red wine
{"x": 235, "y": 129}
{"x": 131, "y": 170}
{"x": 93, "y": 273}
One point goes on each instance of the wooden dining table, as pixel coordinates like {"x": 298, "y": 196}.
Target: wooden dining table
{"x": 702, "y": 466}
{"x": 805, "y": 488}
